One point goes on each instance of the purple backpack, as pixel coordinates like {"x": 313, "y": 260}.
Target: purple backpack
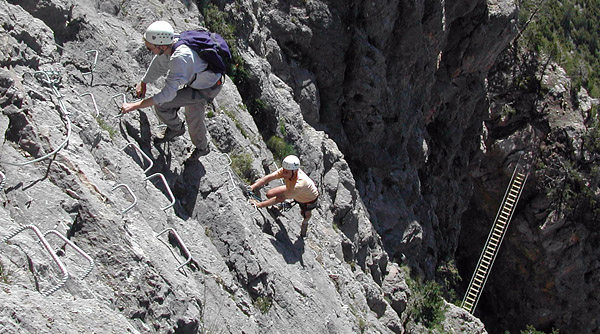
{"x": 210, "y": 46}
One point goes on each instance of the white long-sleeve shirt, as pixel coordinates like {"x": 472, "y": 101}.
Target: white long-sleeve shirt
{"x": 181, "y": 69}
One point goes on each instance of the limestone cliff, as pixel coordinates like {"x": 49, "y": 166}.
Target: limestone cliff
{"x": 389, "y": 104}
{"x": 152, "y": 245}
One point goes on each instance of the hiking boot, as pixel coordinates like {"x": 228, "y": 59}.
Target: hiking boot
{"x": 197, "y": 153}
{"x": 169, "y": 135}
{"x": 304, "y": 229}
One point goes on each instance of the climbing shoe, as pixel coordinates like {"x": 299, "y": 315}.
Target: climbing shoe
{"x": 169, "y": 135}
{"x": 198, "y": 152}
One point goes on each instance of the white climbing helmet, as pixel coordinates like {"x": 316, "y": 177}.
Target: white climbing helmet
{"x": 159, "y": 33}
{"x": 291, "y": 162}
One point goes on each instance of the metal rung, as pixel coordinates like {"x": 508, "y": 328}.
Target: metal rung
{"x": 93, "y": 100}
{"x": 46, "y": 245}
{"x": 233, "y": 187}
{"x": 122, "y": 185}
{"x": 499, "y": 230}
{"x": 139, "y": 150}
{"x": 77, "y": 249}
{"x": 183, "y": 247}
{"x": 162, "y": 177}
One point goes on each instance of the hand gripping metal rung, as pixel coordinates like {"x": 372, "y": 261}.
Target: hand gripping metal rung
{"x": 46, "y": 245}
{"x": 130, "y": 193}
{"x": 183, "y": 247}
{"x": 137, "y": 148}
{"x": 77, "y": 249}
{"x": 162, "y": 177}
{"x": 119, "y": 105}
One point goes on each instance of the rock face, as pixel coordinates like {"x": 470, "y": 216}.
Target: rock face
{"x": 387, "y": 103}
{"x": 176, "y": 248}
{"x": 402, "y": 93}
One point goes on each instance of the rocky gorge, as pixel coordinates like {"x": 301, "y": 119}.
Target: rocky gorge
{"x": 398, "y": 109}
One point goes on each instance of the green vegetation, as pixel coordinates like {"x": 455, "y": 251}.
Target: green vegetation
{"x": 3, "y": 274}
{"x": 448, "y": 277}
{"x": 282, "y": 127}
{"x": 280, "y": 148}
{"x": 242, "y": 166}
{"x": 263, "y": 304}
{"x": 107, "y": 127}
{"x": 426, "y": 305}
{"x": 568, "y": 32}
{"x": 531, "y": 330}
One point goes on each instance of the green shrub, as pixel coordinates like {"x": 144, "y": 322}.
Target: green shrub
{"x": 242, "y": 166}
{"x": 263, "y": 304}
{"x": 531, "y": 330}
{"x": 426, "y": 305}
{"x": 280, "y": 148}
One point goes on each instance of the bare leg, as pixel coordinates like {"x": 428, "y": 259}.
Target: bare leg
{"x": 304, "y": 225}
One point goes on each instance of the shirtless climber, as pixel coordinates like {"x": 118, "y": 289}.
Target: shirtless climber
{"x": 298, "y": 186}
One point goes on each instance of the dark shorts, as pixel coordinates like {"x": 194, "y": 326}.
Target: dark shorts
{"x": 308, "y": 206}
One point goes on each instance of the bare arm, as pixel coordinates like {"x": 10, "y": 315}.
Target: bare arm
{"x": 268, "y": 202}
{"x": 127, "y": 107}
{"x": 264, "y": 180}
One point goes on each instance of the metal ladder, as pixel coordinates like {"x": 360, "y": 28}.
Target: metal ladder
{"x": 492, "y": 245}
